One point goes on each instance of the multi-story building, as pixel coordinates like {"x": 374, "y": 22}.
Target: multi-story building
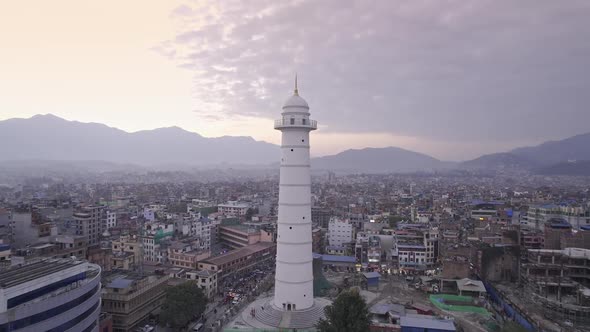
{"x": 416, "y": 247}
{"x": 130, "y": 299}
{"x": 89, "y": 222}
{"x": 485, "y": 211}
{"x": 153, "y": 235}
{"x": 537, "y": 216}
{"x": 126, "y": 252}
{"x": 559, "y": 280}
{"x": 237, "y": 236}
{"x": 340, "y": 232}
{"x": 182, "y": 254}
{"x": 532, "y": 239}
{"x": 50, "y": 295}
{"x": 233, "y": 208}
{"x": 61, "y": 246}
{"x": 110, "y": 219}
{"x": 241, "y": 259}
{"x": 24, "y": 231}
{"x": 207, "y": 281}
{"x": 5, "y": 253}
{"x": 5, "y": 231}
{"x": 320, "y": 216}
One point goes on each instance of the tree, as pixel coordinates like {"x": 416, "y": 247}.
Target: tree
{"x": 349, "y": 313}
{"x": 393, "y": 220}
{"x": 182, "y": 304}
{"x": 249, "y": 214}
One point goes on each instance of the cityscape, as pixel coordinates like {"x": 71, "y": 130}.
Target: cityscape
{"x": 291, "y": 190}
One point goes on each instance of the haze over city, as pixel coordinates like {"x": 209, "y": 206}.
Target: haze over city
{"x": 453, "y": 79}
{"x": 295, "y": 165}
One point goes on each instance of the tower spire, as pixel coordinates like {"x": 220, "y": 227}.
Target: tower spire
{"x": 296, "y": 90}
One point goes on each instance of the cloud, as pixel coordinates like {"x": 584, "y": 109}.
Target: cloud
{"x": 479, "y": 71}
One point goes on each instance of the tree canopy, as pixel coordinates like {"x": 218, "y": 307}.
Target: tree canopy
{"x": 349, "y": 313}
{"x": 182, "y": 304}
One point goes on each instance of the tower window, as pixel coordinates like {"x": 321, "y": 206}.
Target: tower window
{"x": 290, "y": 227}
{"x": 292, "y": 121}
{"x": 302, "y": 140}
{"x": 291, "y": 150}
{"x": 302, "y": 121}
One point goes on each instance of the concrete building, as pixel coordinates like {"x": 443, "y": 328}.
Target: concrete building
{"x": 25, "y": 232}
{"x": 294, "y": 263}
{"x": 50, "y": 295}
{"x": 5, "y": 254}
{"x": 126, "y": 252}
{"x": 237, "y": 236}
{"x": 5, "y": 231}
{"x": 131, "y": 298}
{"x": 206, "y": 279}
{"x": 239, "y": 259}
{"x": 88, "y": 222}
{"x": 153, "y": 235}
{"x": 538, "y": 215}
{"x": 416, "y": 247}
{"x": 320, "y": 216}
{"x": 559, "y": 280}
{"x": 233, "y": 208}
{"x": 340, "y": 232}
{"x": 186, "y": 254}
{"x": 110, "y": 219}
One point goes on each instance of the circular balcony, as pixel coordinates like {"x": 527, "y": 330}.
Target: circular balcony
{"x": 296, "y": 123}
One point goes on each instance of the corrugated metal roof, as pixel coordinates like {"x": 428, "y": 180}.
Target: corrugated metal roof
{"x": 371, "y": 275}
{"x": 440, "y": 324}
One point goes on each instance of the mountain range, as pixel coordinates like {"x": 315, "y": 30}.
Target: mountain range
{"x": 47, "y": 137}
{"x": 50, "y": 138}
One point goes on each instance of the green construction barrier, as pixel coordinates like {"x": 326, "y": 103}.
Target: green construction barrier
{"x": 439, "y": 301}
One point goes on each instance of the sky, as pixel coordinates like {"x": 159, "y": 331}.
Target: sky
{"x": 453, "y": 79}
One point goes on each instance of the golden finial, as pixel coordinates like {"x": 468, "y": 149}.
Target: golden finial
{"x": 296, "y": 90}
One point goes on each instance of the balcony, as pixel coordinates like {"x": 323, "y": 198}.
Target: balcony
{"x": 296, "y": 123}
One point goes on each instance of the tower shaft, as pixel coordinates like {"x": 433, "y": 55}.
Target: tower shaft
{"x": 294, "y": 261}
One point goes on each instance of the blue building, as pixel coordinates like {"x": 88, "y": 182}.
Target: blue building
{"x": 372, "y": 279}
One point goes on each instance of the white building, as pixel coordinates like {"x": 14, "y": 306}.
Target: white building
{"x": 50, "y": 295}
{"x": 153, "y": 234}
{"x": 537, "y": 215}
{"x": 233, "y": 208}
{"x": 110, "y": 219}
{"x": 340, "y": 232}
{"x": 294, "y": 277}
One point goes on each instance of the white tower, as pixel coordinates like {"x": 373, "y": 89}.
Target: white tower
{"x": 294, "y": 270}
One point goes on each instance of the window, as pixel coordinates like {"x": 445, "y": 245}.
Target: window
{"x": 292, "y": 121}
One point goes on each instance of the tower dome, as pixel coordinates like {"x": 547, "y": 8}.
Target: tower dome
{"x": 295, "y": 100}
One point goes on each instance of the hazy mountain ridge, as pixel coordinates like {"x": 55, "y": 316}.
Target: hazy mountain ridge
{"x": 535, "y": 158}
{"x": 499, "y": 161}
{"x": 572, "y": 148}
{"x": 575, "y": 168}
{"x": 47, "y": 137}
{"x": 49, "y": 140}
{"x": 380, "y": 160}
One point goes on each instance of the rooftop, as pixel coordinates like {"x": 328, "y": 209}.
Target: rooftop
{"x": 336, "y": 258}
{"x": 238, "y": 253}
{"x": 427, "y": 323}
{"x": 15, "y": 276}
